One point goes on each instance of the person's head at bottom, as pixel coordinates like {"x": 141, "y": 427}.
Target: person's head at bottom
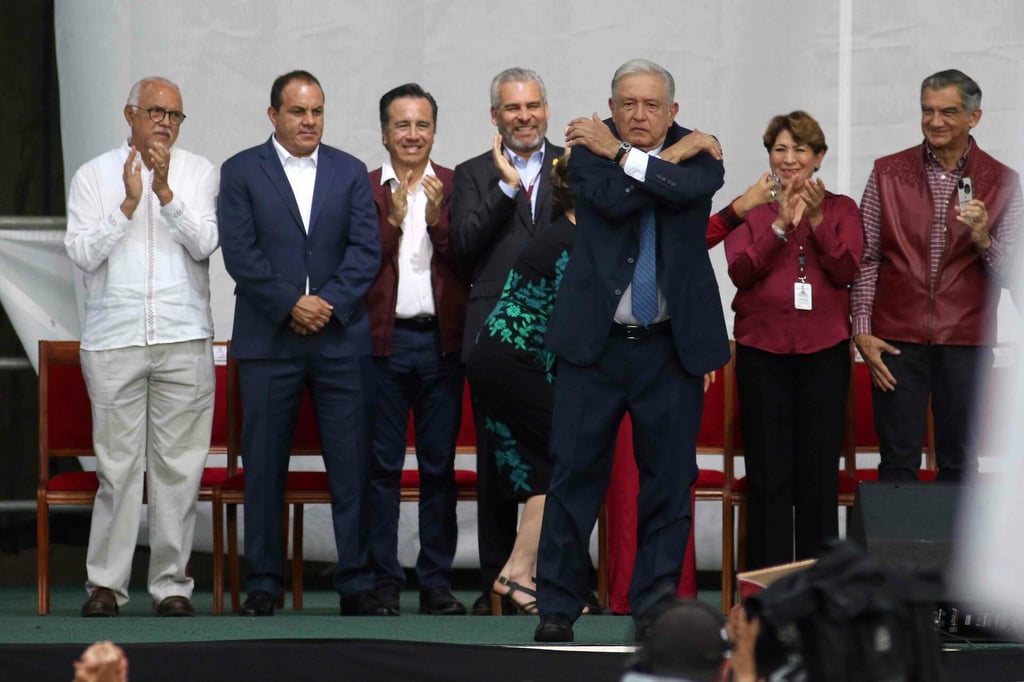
{"x": 687, "y": 641}
{"x": 102, "y": 662}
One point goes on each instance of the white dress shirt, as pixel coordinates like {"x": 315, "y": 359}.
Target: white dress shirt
{"x": 301, "y": 173}
{"x": 146, "y": 280}
{"x": 415, "y": 250}
{"x": 636, "y": 168}
{"x": 529, "y": 175}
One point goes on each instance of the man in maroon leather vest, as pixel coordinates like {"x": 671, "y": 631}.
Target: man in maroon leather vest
{"x": 924, "y": 303}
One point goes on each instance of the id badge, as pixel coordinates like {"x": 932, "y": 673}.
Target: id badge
{"x": 802, "y": 295}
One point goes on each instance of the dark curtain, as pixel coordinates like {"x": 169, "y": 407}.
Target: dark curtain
{"x": 31, "y": 184}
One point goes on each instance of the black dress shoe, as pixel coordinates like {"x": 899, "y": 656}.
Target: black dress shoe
{"x": 482, "y": 606}
{"x": 101, "y": 604}
{"x": 362, "y": 603}
{"x": 175, "y": 607}
{"x": 388, "y": 595}
{"x": 258, "y": 604}
{"x": 554, "y": 627}
{"x": 643, "y": 623}
{"x": 439, "y": 601}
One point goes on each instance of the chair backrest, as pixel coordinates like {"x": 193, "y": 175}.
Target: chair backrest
{"x": 306, "y": 440}
{"x": 733, "y": 442}
{"x": 860, "y": 436}
{"x": 65, "y": 415}
{"x": 219, "y": 432}
{"x": 713, "y": 435}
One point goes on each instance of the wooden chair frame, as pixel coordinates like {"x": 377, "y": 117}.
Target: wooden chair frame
{"x": 303, "y": 488}
{"x": 74, "y": 488}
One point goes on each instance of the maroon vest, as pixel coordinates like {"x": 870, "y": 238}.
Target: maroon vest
{"x": 955, "y": 309}
{"x": 447, "y": 276}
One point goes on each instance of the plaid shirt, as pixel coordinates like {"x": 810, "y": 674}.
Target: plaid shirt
{"x": 941, "y": 183}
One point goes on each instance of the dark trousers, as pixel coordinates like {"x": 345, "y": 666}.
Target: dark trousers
{"x": 949, "y": 374}
{"x": 792, "y": 410}
{"x": 642, "y": 377}
{"x": 272, "y": 392}
{"x": 417, "y": 376}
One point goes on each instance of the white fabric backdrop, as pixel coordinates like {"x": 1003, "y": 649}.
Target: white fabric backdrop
{"x": 856, "y": 67}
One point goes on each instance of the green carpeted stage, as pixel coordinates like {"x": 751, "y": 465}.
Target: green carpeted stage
{"x": 317, "y": 644}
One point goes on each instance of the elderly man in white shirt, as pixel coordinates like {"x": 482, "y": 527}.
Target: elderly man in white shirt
{"x": 141, "y": 228}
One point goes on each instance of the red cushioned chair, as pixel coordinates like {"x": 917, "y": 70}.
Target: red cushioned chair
{"x": 718, "y": 437}
{"x": 65, "y": 430}
{"x": 860, "y": 436}
{"x": 303, "y": 487}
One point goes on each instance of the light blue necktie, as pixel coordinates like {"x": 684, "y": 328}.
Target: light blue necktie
{"x": 645, "y": 279}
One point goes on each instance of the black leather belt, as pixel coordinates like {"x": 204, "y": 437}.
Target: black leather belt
{"x": 420, "y": 323}
{"x": 636, "y": 331}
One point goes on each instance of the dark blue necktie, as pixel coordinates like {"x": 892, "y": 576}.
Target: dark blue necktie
{"x": 645, "y": 279}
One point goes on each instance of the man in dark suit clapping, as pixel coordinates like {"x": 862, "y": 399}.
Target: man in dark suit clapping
{"x": 501, "y": 201}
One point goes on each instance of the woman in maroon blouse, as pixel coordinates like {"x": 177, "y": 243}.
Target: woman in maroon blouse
{"x": 792, "y": 261}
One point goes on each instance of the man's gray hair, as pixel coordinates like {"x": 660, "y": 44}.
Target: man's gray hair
{"x": 970, "y": 91}
{"x": 645, "y": 66}
{"x": 516, "y": 75}
{"x": 133, "y": 94}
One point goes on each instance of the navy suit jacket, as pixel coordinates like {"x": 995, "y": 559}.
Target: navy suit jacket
{"x": 269, "y": 255}
{"x": 489, "y": 230}
{"x": 609, "y": 204}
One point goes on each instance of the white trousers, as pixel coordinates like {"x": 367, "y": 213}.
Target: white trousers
{"x": 152, "y": 411}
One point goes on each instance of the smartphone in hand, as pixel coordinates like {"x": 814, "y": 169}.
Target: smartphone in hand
{"x": 965, "y": 190}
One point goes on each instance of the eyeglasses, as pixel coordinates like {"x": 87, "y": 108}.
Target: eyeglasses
{"x": 158, "y": 114}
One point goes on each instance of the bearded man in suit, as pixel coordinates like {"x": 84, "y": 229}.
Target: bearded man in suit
{"x": 501, "y": 201}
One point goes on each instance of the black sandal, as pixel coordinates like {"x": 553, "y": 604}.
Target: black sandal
{"x": 530, "y": 607}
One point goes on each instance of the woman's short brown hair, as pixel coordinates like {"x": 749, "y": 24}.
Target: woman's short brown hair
{"x": 801, "y": 125}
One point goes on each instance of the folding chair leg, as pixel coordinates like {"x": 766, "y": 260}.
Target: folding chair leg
{"x": 741, "y": 545}
{"x": 43, "y": 557}
{"x": 727, "y": 555}
{"x": 218, "y": 555}
{"x": 297, "y": 524}
{"x": 495, "y": 604}
{"x": 233, "y": 576}
{"x": 284, "y": 544}
{"x": 602, "y": 557}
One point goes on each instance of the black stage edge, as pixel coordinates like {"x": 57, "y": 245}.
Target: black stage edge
{"x": 388, "y": 661}
{"x": 295, "y": 660}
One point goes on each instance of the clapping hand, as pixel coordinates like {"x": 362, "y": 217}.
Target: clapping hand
{"x": 400, "y": 202}
{"x": 505, "y": 168}
{"x": 434, "y": 191}
{"x": 812, "y": 193}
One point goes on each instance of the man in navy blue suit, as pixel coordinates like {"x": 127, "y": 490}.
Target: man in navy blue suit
{"x": 299, "y": 236}
{"x": 637, "y": 323}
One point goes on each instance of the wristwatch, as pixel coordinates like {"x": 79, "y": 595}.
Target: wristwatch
{"x": 624, "y": 148}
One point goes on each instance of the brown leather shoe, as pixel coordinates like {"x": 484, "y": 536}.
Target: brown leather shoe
{"x": 101, "y": 604}
{"x": 175, "y": 607}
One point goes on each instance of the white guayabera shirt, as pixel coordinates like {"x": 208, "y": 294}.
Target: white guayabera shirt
{"x": 146, "y": 280}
